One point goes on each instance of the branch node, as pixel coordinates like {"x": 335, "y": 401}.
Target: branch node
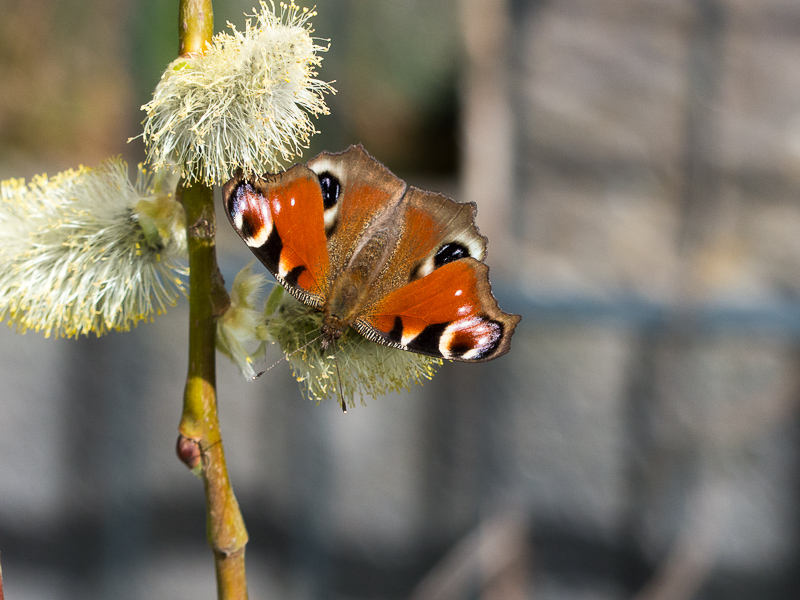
{"x": 190, "y": 453}
{"x": 203, "y": 228}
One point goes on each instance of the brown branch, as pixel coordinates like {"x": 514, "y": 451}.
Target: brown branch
{"x": 200, "y": 442}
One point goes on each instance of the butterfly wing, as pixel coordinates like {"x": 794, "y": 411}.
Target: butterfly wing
{"x": 281, "y": 219}
{"x": 304, "y": 223}
{"x": 434, "y": 297}
{"x": 436, "y": 230}
{"x": 449, "y": 313}
{"x": 357, "y": 189}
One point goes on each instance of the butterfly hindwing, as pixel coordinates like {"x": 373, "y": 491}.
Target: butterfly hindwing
{"x": 434, "y": 297}
{"x": 436, "y": 230}
{"x": 449, "y": 313}
{"x": 281, "y": 219}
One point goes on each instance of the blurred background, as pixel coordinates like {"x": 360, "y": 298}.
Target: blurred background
{"x": 636, "y": 166}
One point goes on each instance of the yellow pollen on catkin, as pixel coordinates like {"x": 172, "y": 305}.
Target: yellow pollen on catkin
{"x": 243, "y": 103}
{"x": 76, "y": 257}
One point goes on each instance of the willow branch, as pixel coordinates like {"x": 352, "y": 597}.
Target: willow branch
{"x": 195, "y": 26}
{"x": 200, "y": 441}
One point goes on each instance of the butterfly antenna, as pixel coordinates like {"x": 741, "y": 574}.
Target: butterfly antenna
{"x": 339, "y": 377}
{"x": 285, "y": 357}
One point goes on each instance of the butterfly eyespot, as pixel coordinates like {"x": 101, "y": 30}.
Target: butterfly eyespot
{"x": 247, "y": 229}
{"x": 234, "y": 204}
{"x": 450, "y": 252}
{"x": 471, "y": 338}
{"x": 331, "y": 188}
{"x": 249, "y": 215}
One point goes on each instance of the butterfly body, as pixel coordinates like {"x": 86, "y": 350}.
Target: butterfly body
{"x": 402, "y": 266}
{"x": 349, "y": 292}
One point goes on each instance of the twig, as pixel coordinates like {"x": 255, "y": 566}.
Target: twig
{"x": 492, "y": 557}
{"x": 200, "y": 441}
{"x": 195, "y": 26}
{"x": 689, "y": 562}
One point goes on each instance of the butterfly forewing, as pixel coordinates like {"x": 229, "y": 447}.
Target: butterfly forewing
{"x": 357, "y": 190}
{"x": 280, "y": 218}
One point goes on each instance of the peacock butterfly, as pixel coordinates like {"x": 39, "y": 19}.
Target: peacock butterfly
{"x": 400, "y": 265}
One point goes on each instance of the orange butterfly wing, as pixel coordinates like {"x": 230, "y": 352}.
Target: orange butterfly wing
{"x": 434, "y": 296}
{"x": 363, "y": 189}
{"x": 280, "y": 218}
{"x": 449, "y": 313}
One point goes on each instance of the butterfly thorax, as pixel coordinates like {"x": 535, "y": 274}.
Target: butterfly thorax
{"x": 352, "y": 287}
